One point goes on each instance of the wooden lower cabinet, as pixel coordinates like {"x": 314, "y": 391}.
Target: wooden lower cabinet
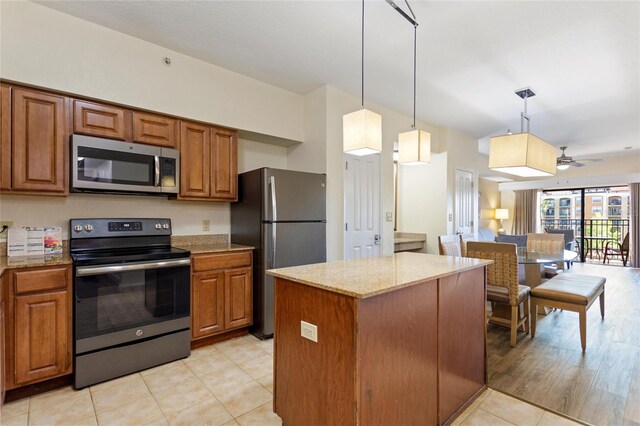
{"x": 238, "y": 298}
{"x": 222, "y": 297}
{"x": 39, "y": 332}
{"x": 207, "y": 314}
{"x": 2, "y": 345}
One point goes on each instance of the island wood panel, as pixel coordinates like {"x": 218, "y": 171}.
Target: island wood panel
{"x": 224, "y": 164}
{"x": 195, "y": 146}
{"x": 314, "y": 383}
{"x": 5, "y": 137}
{"x": 99, "y": 120}
{"x": 207, "y": 304}
{"x": 461, "y": 327}
{"x": 39, "y": 144}
{"x": 397, "y": 350}
{"x": 155, "y": 129}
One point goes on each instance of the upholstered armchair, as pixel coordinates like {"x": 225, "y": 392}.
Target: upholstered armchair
{"x": 502, "y": 283}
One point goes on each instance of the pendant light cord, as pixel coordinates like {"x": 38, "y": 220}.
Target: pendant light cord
{"x": 415, "y": 38}
{"x": 362, "y": 65}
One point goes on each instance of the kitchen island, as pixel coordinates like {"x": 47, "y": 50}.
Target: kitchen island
{"x": 398, "y": 340}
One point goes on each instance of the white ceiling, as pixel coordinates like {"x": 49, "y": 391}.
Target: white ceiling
{"x": 582, "y": 58}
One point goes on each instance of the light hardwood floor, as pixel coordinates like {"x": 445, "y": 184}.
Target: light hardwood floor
{"x": 600, "y": 386}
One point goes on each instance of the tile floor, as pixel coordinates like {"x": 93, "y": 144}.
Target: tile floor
{"x": 230, "y": 383}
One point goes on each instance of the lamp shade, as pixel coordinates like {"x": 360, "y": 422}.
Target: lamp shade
{"x": 362, "y": 132}
{"x": 522, "y": 154}
{"x": 501, "y": 214}
{"x": 414, "y": 147}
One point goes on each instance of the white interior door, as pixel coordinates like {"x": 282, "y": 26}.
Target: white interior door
{"x": 464, "y": 201}
{"x": 362, "y": 206}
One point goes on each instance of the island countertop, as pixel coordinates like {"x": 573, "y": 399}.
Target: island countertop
{"x": 362, "y": 278}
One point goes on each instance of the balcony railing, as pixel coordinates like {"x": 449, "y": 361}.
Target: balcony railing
{"x": 604, "y": 229}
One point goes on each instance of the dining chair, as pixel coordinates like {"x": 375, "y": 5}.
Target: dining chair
{"x": 502, "y": 283}
{"x": 622, "y": 250}
{"x": 569, "y": 240}
{"x": 547, "y": 243}
{"x": 449, "y": 245}
{"x": 464, "y": 239}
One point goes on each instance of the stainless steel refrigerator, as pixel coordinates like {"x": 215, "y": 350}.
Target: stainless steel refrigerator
{"x": 282, "y": 213}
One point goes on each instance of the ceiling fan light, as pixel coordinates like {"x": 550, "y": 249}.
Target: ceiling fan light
{"x": 563, "y": 166}
{"x": 414, "y": 147}
{"x": 522, "y": 154}
{"x": 362, "y": 132}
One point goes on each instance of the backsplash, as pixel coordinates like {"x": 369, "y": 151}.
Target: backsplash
{"x": 186, "y": 216}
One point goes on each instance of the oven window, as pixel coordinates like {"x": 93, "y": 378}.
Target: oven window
{"x": 101, "y": 165}
{"x": 107, "y": 303}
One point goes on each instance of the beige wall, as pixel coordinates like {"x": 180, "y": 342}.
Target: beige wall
{"x": 489, "y": 197}
{"x": 253, "y": 155}
{"x": 186, "y": 216}
{"x": 422, "y": 199}
{"x": 48, "y": 48}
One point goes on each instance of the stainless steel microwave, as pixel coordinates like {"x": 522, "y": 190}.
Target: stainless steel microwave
{"x": 114, "y": 166}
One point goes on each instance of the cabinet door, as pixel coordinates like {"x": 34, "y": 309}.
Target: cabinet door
{"x": 42, "y": 336}
{"x": 224, "y": 164}
{"x": 195, "y": 145}
{"x": 155, "y": 129}
{"x": 40, "y": 138}
{"x": 98, "y": 120}
{"x": 207, "y": 306}
{"x": 5, "y": 137}
{"x": 238, "y": 304}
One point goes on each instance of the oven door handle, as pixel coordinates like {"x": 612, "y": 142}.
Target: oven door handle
{"x": 110, "y": 269}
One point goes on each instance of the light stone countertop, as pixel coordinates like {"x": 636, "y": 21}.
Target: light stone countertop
{"x": 34, "y": 261}
{"x": 362, "y": 278}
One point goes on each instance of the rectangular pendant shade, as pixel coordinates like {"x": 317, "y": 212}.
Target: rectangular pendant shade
{"x": 522, "y": 154}
{"x": 414, "y": 147}
{"x": 362, "y": 132}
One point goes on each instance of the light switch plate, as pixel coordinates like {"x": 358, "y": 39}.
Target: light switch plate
{"x": 309, "y": 331}
{"x": 389, "y": 216}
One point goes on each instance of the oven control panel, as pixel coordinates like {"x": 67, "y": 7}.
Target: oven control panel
{"x": 97, "y": 228}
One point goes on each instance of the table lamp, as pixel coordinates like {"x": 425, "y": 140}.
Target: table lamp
{"x": 501, "y": 214}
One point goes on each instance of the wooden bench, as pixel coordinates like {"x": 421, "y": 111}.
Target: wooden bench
{"x": 571, "y": 292}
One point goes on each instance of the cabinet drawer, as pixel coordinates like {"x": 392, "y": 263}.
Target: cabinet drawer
{"x": 210, "y": 262}
{"x": 40, "y": 280}
{"x": 98, "y": 120}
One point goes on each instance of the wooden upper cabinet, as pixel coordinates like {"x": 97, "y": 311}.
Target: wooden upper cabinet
{"x": 40, "y": 136}
{"x": 99, "y": 120}
{"x": 195, "y": 146}
{"x": 5, "y": 138}
{"x": 238, "y": 298}
{"x": 207, "y": 313}
{"x": 155, "y": 129}
{"x": 224, "y": 164}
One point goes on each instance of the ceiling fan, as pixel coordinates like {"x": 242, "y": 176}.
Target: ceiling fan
{"x": 564, "y": 161}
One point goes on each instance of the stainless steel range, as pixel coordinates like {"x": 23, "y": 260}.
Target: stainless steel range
{"x": 132, "y": 297}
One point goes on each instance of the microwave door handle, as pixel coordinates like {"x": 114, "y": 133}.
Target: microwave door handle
{"x": 156, "y": 161}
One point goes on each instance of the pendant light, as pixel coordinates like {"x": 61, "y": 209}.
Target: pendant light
{"x": 522, "y": 154}
{"x": 362, "y": 129}
{"x": 414, "y": 146}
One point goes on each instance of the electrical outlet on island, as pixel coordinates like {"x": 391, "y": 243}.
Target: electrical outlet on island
{"x": 206, "y": 225}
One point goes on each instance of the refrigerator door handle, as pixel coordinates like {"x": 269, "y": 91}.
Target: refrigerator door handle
{"x": 272, "y": 183}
